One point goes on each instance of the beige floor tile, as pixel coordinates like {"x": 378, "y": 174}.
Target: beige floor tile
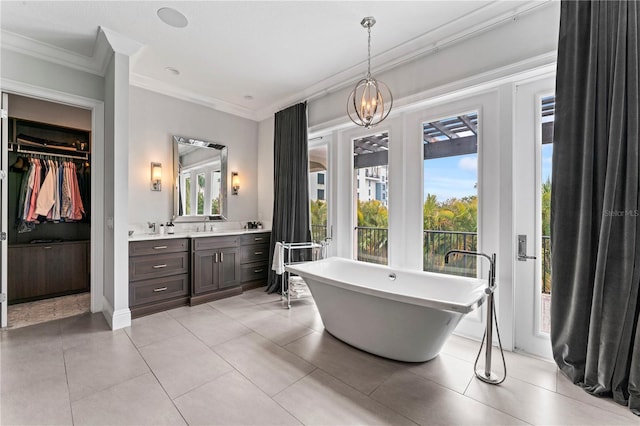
{"x": 363, "y": 371}
{"x": 45, "y": 402}
{"x": 567, "y": 388}
{"x": 101, "y": 364}
{"x": 537, "y": 405}
{"x": 321, "y": 399}
{"x": 426, "y": 402}
{"x": 446, "y": 370}
{"x": 154, "y": 328}
{"x": 84, "y": 329}
{"x": 461, "y": 347}
{"x": 25, "y": 366}
{"x": 182, "y": 363}
{"x": 47, "y": 333}
{"x": 139, "y": 401}
{"x": 231, "y": 400}
{"x": 266, "y": 364}
{"x": 305, "y": 313}
{"x": 259, "y": 296}
{"x": 188, "y": 310}
{"x": 212, "y": 327}
{"x": 278, "y": 328}
{"x": 233, "y": 307}
{"x": 532, "y": 370}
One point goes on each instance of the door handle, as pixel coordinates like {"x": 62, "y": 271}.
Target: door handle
{"x": 522, "y": 249}
{"x": 221, "y": 257}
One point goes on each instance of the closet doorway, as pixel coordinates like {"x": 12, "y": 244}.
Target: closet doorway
{"x": 48, "y": 199}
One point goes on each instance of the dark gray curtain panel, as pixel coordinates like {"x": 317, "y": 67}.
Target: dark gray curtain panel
{"x": 595, "y": 223}
{"x": 291, "y": 222}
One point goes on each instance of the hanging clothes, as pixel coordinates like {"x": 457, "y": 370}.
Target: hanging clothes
{"x": 52, "y": 190}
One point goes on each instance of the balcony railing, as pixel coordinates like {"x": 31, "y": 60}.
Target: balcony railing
{"x": 372, "y": 246}
{"x": 318, "y": 232}
{"x": 437, "y": 243}
{"x": 546, "y": 265}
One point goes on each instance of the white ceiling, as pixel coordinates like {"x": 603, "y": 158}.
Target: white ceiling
{"x": 277, "y": 52}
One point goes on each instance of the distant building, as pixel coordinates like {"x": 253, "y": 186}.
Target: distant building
{"x": 372, "y": 184}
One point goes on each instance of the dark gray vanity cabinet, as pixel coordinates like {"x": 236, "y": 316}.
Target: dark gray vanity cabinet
{"x": 216, "y": 268}
{"x": 158, "y": 275}
{"x": 254, "y": 259}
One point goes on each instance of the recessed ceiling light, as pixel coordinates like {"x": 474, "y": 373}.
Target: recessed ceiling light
{"x": 172, "y": 17}
{"x": 248, "y": 97}
{"x": 172, "y": 70}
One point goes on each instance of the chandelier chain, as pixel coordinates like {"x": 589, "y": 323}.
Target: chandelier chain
{"x": 369, "y": 52}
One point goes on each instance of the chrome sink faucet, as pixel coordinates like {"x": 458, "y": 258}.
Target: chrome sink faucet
{"x": 152, "y": 225}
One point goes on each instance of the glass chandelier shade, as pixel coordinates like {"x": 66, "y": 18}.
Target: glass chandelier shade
{"x": 371, "y": 100}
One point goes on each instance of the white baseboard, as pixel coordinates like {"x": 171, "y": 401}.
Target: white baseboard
{"x": 118, "y": 319}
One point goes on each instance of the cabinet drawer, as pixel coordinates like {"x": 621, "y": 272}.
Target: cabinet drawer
{"x": 138, "y": 248}
{"x": 154, "y": 266}
{"x": 255, "y": 253}
{"x": 257, "y": 238}
{"x": 257, "y": 271}
{"x": 208, "y": 243}
{"x": 158, "y": 289}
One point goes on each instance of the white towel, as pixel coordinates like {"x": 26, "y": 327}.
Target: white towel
{"x": 278, "y": 259}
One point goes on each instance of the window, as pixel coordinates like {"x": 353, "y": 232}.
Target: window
{"x": 371, "y": 164}
{"x": 200, "y": 192}
{"x": 450, "y": 209}
{"x": 215, "y": 192}
{"x": 318, "y": 162}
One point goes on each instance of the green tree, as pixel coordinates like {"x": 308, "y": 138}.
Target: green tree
{"x": 372, "y": 214}
{"x": 318, "y": 219}
{"x": 546, "y": 207}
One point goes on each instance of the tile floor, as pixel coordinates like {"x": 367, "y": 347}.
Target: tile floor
{"x": 245, "y": 360}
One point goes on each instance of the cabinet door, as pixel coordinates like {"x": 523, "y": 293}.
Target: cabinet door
{"x": 205, "y": 271}
{"x": 66, "y": 267}
{"x": 229, "y": 267}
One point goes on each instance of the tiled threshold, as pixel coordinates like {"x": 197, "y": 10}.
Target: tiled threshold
{"x": 246, "y": 360}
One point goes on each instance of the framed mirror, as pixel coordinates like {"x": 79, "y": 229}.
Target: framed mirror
{"x": 200, "y": 170}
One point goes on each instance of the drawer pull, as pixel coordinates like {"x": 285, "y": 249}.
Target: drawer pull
{"x": 164, "y": 265}
{"x": 47, "y": 248}
{"x": 258, "y": 239}
{"x": 257, "y": 253}
{"x": 160, "y": 247}
{"x": 257, "y": 271}
{"x": 157, "y": 290}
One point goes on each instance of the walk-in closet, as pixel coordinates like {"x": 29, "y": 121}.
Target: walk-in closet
{"x": 49, "y": 211}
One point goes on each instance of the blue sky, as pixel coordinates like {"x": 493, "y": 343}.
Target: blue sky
{"x": 456, "y": 176}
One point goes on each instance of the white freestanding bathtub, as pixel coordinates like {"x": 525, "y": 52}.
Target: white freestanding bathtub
{"x": 397, "y": 314}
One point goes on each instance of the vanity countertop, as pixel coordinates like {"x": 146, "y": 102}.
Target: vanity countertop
{"x": 195, "y": 234}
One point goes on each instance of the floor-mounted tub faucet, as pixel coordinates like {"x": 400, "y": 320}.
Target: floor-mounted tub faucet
{"x": 486, "y": 376}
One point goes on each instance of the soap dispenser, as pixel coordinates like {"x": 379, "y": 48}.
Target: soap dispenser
{"x": 170, "y": 228}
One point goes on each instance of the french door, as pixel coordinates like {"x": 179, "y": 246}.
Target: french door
{"x": 535, "y": 107}
{"x": 4, "y": 170}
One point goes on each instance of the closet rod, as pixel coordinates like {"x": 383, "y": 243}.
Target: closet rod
{"x": 71, "y": 157}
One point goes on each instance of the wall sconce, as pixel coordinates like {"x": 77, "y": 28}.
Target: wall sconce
{"x": 156, "y": 177}
{"x": 235, "y": 183}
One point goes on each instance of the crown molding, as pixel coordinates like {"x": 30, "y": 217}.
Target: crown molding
{"x": 119, "y": 43}
{"x": 163, "y": 88}
{"x": 49, "y": 53}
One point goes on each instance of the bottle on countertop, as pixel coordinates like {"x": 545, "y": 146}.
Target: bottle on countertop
{"x": 161, "y": 229}
{"x": 170, "y": 228}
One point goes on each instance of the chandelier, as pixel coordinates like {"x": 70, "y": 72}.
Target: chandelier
{"x": 371, "y": 100}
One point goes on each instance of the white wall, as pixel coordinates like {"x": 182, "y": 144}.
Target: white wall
{"x": 153, "y": 121}
{"x": 530, "y": 35}
{"x": 37, "y": 72}
{"x": 265, "y": 170}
